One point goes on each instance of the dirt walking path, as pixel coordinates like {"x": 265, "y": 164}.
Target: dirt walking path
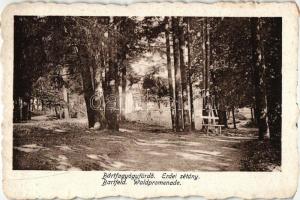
{"x": 61, "y": 145}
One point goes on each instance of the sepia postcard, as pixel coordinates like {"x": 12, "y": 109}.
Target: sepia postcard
{"x": 150, "y": 100}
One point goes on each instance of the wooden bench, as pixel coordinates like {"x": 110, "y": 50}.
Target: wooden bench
{"x": 216, "y": 126}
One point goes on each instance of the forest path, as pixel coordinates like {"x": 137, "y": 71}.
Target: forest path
{"x": 68, "y": 145}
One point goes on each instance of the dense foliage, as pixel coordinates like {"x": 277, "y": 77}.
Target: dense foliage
{"x": 237, "y": 61}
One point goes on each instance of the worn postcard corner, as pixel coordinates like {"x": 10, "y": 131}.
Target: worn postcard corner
{"x": 150, "y": 100}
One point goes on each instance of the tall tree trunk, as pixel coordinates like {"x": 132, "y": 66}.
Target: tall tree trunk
{"x": 91, "y": 75}
{"x": 88, "y": 95}
{"x": 25, "y": 109}
{"x": 252, "y": 115}
{"x": 182, "y": 47}
{"x": 265, "y": 84}
{"x": 205, "y": 69}
{"x": 170, "y": 76}
{"x": 29, "y": 109}
{"x": 256, "y": 60}
{"x": 207, "y": 56}
{"x": 61, "y": 112}
{"x": 203, "y": 33}
{"x": 225, "y": 119}
{"x": 123, "y": 98}
{"x": 273, "y": 62}
{"x": 98, "y": 100}
{"x": 43, "y": 105}
{"x": 56, "y": 113}
{"x": 233, "y": 118}
{"x": 65, "y": 95}
{"x": 87, "y": 84}
{"x": 19, "y": 110}
{"x": 222, "y": 113}
{"x": 190, "y": 76}
{"x": 37, "y": 104}
{"x": 178, "y": 85}
{"x": 112, "y": 85}
{"x": 123, "y": 63}
{"x": 66, "y": 102}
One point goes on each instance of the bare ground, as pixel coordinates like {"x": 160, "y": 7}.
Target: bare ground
{"x": 44, "y": 144}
